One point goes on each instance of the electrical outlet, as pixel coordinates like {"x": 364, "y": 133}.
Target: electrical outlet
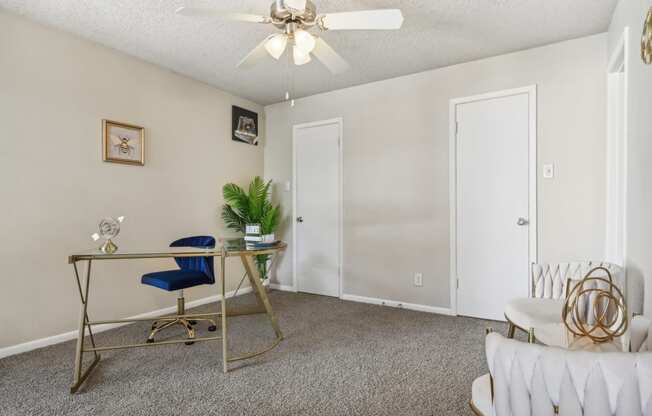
{"x": 548, "y": 171}
{"x": 418, "y": 279}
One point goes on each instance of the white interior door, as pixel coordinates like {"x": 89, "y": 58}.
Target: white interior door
{"x": 493, "y": 203}
{"x": 317, "y": 209}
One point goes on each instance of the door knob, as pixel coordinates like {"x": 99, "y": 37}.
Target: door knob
{"x": 522, "y": 221}
{"x": 299, "y": 219}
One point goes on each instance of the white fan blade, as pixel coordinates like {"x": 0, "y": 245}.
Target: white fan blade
{"x": 256, "y": 55}
{"x": 363, "y": 20}
{"x": 331, "y": 59}
{"x": 208, "y": 12}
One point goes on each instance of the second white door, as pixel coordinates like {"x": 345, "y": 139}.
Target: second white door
{"x": 317, "y": 207}
{"x": 493, "y": 204}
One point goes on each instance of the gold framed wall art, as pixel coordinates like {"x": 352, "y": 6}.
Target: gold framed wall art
{"x": 123, "y": 143}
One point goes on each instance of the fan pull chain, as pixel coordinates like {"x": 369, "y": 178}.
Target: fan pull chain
{"x": 289, "y": 92}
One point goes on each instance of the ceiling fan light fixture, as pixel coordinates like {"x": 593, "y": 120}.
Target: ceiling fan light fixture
{"x": 304, "y": 41}
{"x": 276, "y": 45}
{"x": 298, "y": 19}
{"x": 300, "y": 57}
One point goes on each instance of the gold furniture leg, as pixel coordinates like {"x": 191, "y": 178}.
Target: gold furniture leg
{"x": 264, "y": 306}
{"x": 225, "y": 344}
{"x": 261, "y": 295}
{"x": 78, "y": 376}
{"x": 511, "y": 330}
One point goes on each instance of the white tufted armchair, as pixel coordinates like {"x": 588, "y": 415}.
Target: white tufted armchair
{"x": 640, "y": 334}
{"x": 528, "y": 379}
{"x": 548, "y": 293}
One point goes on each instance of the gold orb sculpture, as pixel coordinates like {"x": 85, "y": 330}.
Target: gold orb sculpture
{"x": 595, "y": 308}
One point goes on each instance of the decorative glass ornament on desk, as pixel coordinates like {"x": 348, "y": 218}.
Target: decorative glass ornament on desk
{"x": 108, "y": 229}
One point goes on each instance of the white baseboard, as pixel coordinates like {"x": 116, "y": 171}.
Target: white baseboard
{"x": 283, "y": 288}
{"x": 397, "y": 304}
{"x": 67, "y": 336}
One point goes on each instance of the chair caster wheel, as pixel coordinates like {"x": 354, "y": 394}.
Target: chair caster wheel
{"x": 150, "y": 341}
{"x": 192, "y": 322}
{"x": 212, "y": 328}
{"x": 189, "y": 342}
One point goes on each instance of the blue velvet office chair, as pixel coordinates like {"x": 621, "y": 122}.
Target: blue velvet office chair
{"x": 193, "y": 271}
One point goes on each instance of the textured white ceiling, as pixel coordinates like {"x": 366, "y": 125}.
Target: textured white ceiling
{"x": 435, "y": 33}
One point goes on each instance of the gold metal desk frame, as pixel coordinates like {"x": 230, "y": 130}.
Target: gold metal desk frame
{"x": 264, "y": 306}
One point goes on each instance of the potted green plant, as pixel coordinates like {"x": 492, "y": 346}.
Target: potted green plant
{"x": 251, "y": 207}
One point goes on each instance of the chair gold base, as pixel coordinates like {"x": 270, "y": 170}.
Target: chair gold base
{"x": 187, "y": 324}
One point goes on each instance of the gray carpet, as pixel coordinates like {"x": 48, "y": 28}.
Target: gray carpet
{"x": 338, "y": 358}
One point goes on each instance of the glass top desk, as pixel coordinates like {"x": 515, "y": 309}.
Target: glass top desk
{"x": 226, "y": 248}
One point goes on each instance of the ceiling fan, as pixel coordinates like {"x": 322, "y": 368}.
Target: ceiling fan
{"x": 296, "y": 18}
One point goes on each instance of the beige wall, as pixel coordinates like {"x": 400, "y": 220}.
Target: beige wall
{"x": 396, "y": 212}
{"x": 54, "y": 91}
{"x": 631, "y": 13}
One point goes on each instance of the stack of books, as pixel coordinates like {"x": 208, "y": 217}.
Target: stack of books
{"x": 254, "y": 240}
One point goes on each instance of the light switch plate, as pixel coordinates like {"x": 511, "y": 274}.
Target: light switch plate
{"x": 418, "y": 279}
{"x": 548, "y": 171}
{"x": 288, "y": 186}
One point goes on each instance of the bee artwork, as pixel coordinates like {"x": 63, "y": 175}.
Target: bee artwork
{"x": 123, "y": 143}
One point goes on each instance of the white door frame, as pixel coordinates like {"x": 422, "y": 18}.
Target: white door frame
{"x": 453, "y": 183}
{"x": 339, "y": 121}
{"x": 618, "y": 62}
